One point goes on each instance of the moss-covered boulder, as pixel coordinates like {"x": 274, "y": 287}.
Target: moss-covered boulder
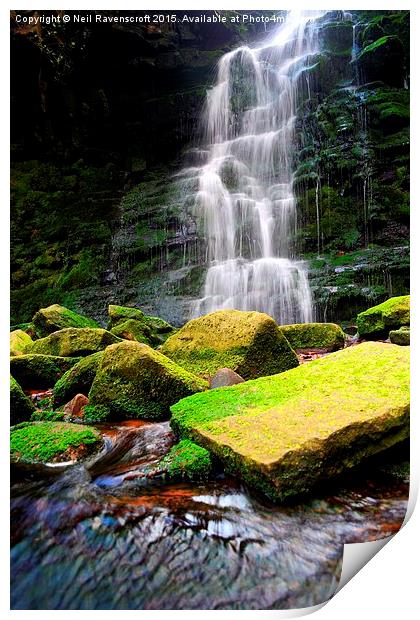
{"x": 78, "y": 379}
{"x": 21, "y": 408}
{"x": 135, "y": 381}
{"x": 46, "y": 442}
{"x": 34, "y": 370}
{"x": 56, "y": 317}
{"x": 326, "y": 336}
{"x": 74, "y": 342}
{"x": 376, "y": 322}
{"x": 249, "y": 343}
{"x": 187, "y": 460}
{"x": 133, "y": 324}
{"x": 286, "y": 433}
{"x": 400, "y": 336}
{"x": 20, "y": 342}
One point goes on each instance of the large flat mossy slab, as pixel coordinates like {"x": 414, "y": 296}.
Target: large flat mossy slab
{"x": 56, "y": 317}
{"x": 249, "y": 343}
{"x": 286, "y": 433}
{"x": 45, "y": 442}
{"x": 327, "y": 336}
{"x": 74, "y": 342}
{"x": 379, "y": 320}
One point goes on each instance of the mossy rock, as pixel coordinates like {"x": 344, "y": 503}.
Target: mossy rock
{"x": 34, "y": 370}
{"x": 327, "y": 336}
{"x": 187, "y": 460}
{"x": 46, "y": 442}
{"x": 74, "y": 342}
{"x": 135, "y": 381}
{"x": 286, "y": 433}
{"x": 376, "y": 322}
{"x": 21, "y": 408}
{"x": 249, "y": 343}
{"x": 20, "y": 342}
{"x": 133, "y": 324}
{"x": 56, "y": 317}
{"x": 78, "y": 379}
{"x": 400, "y": 336}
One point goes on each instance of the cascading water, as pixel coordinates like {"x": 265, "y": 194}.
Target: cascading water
{"x": 243, "y": 192}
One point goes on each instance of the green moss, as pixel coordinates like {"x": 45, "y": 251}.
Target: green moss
{"x": 96, "y": 413}
{"x": 135, "y": 381}
{"x": 282, "y": 434}
{"x": 400, "y": 336}
{"x": 39, "y": 371}
{"x": 132, "y": 330}
{"x": 187, "y": 460}
{"x": 20, "y": 342}
{"x": 21, "y": 408}
{"x": 50, "y": 441}
{"x": 73, "y": 342}
{"x": 133, "y": 324}
{"x": 77, "y": 380}
{"x": 326, "y": 336}
{"x": 247, "y": 342}
{"x": 41, "y": 415}
{"x": 56, "y": 317}
{"x": 378, "y": 320}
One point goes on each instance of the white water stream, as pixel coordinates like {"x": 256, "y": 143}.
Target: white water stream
{"x": 242, "y": 187}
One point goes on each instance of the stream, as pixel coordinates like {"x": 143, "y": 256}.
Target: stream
{"x": 103, "y": 535}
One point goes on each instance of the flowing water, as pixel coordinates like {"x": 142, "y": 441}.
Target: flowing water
{"x": 104, "y": 535}
{"x": 241, "y": 189}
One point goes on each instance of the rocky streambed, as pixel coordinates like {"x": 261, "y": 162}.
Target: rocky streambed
{"x": 99, "y": 535}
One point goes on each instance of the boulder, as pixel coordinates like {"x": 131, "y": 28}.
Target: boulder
{"x": 21, "y": 408}
{"x": 56, "y": 317}
{"x": 400, "y": 336}
{"x": 376, "y": 322}
{"x": 46, "y": 442}
{"x": 286, "y": 433}
{"x": 326, "y": 336}
{"x": 133, "y": 324}
{"x": 225, "y": 377}
{"x": 73, "y": 409}
{"x": 135, "y": 381}
{"x": 20, "y": 342}
{"x": 249, "y": 343}
{"x": 78, "y": 379}
{"x": 36, "y": 371}
{"x": 74, "y": 342}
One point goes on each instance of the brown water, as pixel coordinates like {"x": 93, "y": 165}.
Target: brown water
{"x": 103, "y": 535}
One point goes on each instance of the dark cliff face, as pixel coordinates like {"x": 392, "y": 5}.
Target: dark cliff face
{"x": 102, "y": 115}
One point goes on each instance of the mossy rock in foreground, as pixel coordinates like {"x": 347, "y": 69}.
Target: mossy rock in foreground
{"x": 286, "y": 433}
{"x": 20, "y": 342}
{"x": 249, "y": 343}
{"x": 34, "y": 370}
{"x": 400, "y": 336}
{"x": 187, "y": 460}
{"x": 377, "y": 321}
{"x": 77, "y": 380}
{"x": 74, "y": 342}
{"x": 56, "y": 317}
{"x": 46, "y": 442}
{"x": 135, "y": 381}
{"x": 21, "y": 408}
{"x": 327, "y": 336}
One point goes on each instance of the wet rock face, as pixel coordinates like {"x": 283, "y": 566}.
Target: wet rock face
{"x": 285, "y": 433}
{"x": 224, "y": 378}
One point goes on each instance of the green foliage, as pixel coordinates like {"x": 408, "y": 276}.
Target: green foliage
{"x": 187, "y": 460}
{"x": 96, "y": 413}
{"x": 49, "y": 441}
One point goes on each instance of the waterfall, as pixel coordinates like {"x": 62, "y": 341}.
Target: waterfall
{"x": 242, "y": 194}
